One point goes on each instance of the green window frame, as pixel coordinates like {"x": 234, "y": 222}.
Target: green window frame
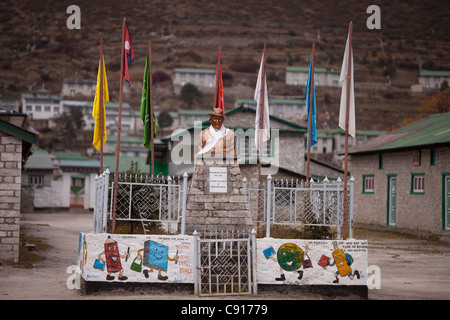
{"x": 417, "y": 183}
{"x": 368, "y": 186}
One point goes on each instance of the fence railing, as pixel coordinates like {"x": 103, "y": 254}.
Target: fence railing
{"x": 293, "y": 202}
{"x": 163, "y": 199}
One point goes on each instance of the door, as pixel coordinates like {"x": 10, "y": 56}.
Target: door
{"x": 446, "y": 202}
{"x": 392, "y": 201}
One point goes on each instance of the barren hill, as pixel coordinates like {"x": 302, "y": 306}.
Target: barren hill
{"x": 39, "y": 50}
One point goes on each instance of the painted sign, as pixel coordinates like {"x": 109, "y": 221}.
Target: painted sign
{"x": 282, "y": 261}
{"x": 136, "y": 258}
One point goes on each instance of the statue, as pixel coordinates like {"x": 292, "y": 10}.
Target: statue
{"x": 217, "y": 139}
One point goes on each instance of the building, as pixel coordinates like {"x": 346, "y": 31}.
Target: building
{"x": 298, "y": 76}
{"x": 187, "y": 117}
{"x": 41, "y": 105}
{"x": 433, "y": 79}
{"x": 201, "y": 78}
{"x": 15, "y": 148}
{"x": 131, "y": 120}
{"x": 9, "y": 103}
{"x": 403, "y": 177}
{"x": 78, "y": 88}
{"x": 289, "y": 109}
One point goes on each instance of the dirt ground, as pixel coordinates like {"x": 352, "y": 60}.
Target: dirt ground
{"x": 410, "y": 268}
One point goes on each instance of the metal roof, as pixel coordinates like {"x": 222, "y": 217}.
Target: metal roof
{"x": 431, "y": 131}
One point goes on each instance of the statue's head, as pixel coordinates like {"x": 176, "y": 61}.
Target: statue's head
{"x": 216, "y": 118}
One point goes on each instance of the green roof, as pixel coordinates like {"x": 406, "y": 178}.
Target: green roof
{"x": 434, "y": 73}
{"x": 125, "y": 164}
{"x": 194, "y": 112}
{"x": 316, "y": 70}
{"x": 191, "y": 70}
{"x": 61, "y": 155}
{"x": 40, "y": 159}
{"x": 431, "y": 131}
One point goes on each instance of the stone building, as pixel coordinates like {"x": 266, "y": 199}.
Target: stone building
{"x": 403, "y": 177}
{"x": 15, "y": 145}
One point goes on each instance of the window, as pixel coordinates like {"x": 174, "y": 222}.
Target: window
{"x": 368, "y": 183}
{"x": 432, "y": 157}
{"x": 380, "y": 161}
{"x": 418, "y": 183}
{"x": 29, "y": 108}
{"x": 38, "y": 108}
{"x": 47, "y": 109}
{"x": 34, "y": 180}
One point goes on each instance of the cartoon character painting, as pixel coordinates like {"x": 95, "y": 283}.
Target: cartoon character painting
{"x": 156, "y": 256}
{"x": 290, "y": 257}
{"x": 343, "y": 261}
{"x": 112, "y": 257}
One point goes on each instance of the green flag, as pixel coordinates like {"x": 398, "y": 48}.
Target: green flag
{"x": 145, "y": 107}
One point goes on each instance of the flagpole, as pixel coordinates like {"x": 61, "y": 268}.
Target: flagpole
{"x": 347, "y": 111}
{"x": 261, "y": 113}
{"x": 102, "y": 121}
{"x": 311, "y": 85}
{"x": 219, "y": 54}
{"x": 116, "y": 175}
{"x": 152, "y": 151}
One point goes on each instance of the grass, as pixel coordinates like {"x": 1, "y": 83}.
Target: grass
{"x": 27, "y": 258}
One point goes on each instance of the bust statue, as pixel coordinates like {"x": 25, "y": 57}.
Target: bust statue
{"x": 217, "y": 139}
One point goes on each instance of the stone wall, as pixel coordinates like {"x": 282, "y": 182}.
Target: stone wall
{"x": 10, "y": 189}
{"x": 414, "y": 211}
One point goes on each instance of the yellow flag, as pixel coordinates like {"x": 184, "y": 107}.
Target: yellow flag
{"x": 100, "y": 108}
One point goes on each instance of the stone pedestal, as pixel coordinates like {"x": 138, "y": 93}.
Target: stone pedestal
{"x": 216, "y": 198}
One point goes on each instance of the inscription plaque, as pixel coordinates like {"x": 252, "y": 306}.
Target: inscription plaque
{"x": 218, "y": 182}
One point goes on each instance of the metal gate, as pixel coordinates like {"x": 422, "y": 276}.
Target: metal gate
{"x": 225, "y": 263}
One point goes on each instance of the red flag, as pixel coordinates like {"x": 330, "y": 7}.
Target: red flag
{"x": 219, "y": 103}
{"x": 128, "y": 53}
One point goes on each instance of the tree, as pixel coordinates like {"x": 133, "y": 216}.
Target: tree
{"x": 436, "y": 103}
{"x": 165, "y": 119}
{"x": 190, "y": 94}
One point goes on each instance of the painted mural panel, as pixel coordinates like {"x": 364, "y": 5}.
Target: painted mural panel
{"x": 303, "y": 262}
{"x": 136, "y": 258}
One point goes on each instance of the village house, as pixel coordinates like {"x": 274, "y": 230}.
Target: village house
{"x": 323, "y": 77}
{"x": 403, "y": 177}
{"x": 431, "y": 80}
{"x": 201, "y": 78}
{"x": 288, "y": 109}
{"x": 15, "y": 148}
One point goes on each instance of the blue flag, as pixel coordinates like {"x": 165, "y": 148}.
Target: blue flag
{"x": 308, "y": 90}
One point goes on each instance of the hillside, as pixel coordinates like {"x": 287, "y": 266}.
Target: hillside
{"x": 39, "y": 50}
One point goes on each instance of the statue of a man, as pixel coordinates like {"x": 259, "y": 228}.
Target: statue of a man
{"x": 216, "y": 139}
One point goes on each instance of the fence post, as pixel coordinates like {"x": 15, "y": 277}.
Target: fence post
{"x": 352, "y": 189}
{"x": 255, "y": 282}
{"x": 338, "y": 217}
{"x": 196, "y": 262}
{"x": 169, "y": 203}
{"x": 96, "y": 202}
{"x": 183, "y": 209}
{"x": 244, "y": 182}
{"x": 105, "y": 199}
{"x": 269, "y": 194}
{"x": 324, "y": 183}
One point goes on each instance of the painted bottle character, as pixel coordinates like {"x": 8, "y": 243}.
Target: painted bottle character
{"x": 156, "y": 256}
{"x": 290, "y": 257}
{"x": 112, "y": 257}
{"x": 342, "y": 261}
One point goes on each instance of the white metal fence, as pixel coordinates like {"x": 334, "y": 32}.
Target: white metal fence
{"x": 145, "y": 198}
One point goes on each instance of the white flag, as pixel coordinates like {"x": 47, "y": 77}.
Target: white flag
{"x": 266, "y": 120}
{"x": 344, "y": 84}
